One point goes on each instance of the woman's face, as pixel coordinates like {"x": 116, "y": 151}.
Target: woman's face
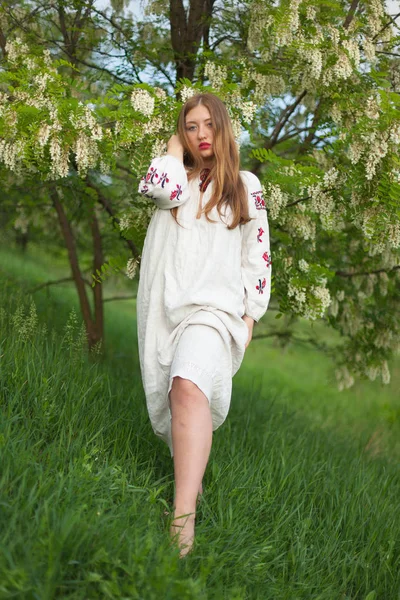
{"x": 199, "y": 131}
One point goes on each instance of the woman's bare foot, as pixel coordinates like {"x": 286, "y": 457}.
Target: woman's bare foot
{"x": 182, "y": 532}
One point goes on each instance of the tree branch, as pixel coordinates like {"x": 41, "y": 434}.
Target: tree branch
{"x": 107, "y": 206}
{"x": 351, "y": 13}
{"x": 392, "y": 20}
{"x": 112, "y": 298}
{"x": 48, "y": 283}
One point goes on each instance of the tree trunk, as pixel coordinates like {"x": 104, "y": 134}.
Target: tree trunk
{"x": 187, "y": 32}
{"x": 94, "y": 328}
{"x": 98, "y": 260}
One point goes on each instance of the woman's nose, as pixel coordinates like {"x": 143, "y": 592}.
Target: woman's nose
{"x": 201, "y": 133}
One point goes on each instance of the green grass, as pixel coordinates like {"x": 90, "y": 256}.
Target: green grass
{"x": 299, "y": 502}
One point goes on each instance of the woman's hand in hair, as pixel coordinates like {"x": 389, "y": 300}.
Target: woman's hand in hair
{"x": 174, "y": 147}
{"x": 250, "y": 324}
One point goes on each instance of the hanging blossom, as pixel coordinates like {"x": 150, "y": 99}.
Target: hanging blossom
{"x": 322, "y": 203}
{"x": 131, "y": 267}
{"x": 344, "y": 378}
{"x": 303, "y": 265}
{"x": 248, "y": 110}
{"x": 236, "y": 128}
{"x": 143, "y": 102}
{"x": 187, "y": 92}
{"x": 317, "y": 310}
{"x": 275, "y": 199}
{"x": 153, "y": 126}
{"x": 310, "y": 303}
{"x": 158, "y": 149}
{"x": 287, "y": 30}
{"x": 125, "y": 222}
{"x": 264, "y": 85}
{"x": 216, "y": 74}
{"x": 15, "y": 49}
{"x": 160, "y": 93}
{"x": 385, "y": 372}
{"x": 59, "y": 159}
{"x": 11, "y": 153}
{"x": 87, "y": 120}
{"x": 302, "y": 226}
{"x": 87, "y": 153}
{"x": 394, "y": 235}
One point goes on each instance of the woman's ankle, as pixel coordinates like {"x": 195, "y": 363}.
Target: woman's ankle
{"x": 183, "y": 512}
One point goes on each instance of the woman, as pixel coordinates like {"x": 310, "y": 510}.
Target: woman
{"x": 204, "y": 279}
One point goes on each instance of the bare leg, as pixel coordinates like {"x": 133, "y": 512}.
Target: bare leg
{"x": 191, "y": 439}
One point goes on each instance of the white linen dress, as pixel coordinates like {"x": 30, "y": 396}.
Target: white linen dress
{"x": 195, "y": 284}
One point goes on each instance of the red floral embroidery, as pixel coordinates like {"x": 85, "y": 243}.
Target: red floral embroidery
{"x": 259, "y": 234}
{"x": 204, "y": 183}
{"x": 175, "y": 194}
{"x": 261, "y": 285}
{"x": 267, "y": 259}
{"x": 151, "y": 175}
{"x": 259, "y": 200}
{"x": 163, "y": 179}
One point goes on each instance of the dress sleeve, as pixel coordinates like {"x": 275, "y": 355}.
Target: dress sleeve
{"x": 256, "y": 257}
{"x": 165, "y": 182}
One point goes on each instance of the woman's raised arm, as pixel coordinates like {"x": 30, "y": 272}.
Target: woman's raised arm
{"x": 166, "y": 181}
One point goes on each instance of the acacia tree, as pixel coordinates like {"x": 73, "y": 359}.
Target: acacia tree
{"x": 317, "y": 88}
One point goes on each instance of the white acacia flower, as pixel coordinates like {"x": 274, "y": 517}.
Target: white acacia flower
{"x": 131, "y": 268}
{"x": 125, "y": 222}
{"x": 275, "y": 199}
{"x": 160, "y": 93}
{"x": 158, "y": 149}
{"x": 248, "y": 110}
{"x": 344, "y": 378}
{"x": 44, "y": 134}
{"x": 59, "y": 158}
{"x": 303, "y": 265}
{"x": 385, "y": 373}
{"x": 143, "y": 102}
{"x": 216, "y": 74}
{"x": 15, "y": 49}
{"x": 187, "y": 92}
{"x": 237, "y": 129}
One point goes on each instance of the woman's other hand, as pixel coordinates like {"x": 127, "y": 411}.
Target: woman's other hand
{"x": 250, "y": 324}
{"x": 174, "y": 147}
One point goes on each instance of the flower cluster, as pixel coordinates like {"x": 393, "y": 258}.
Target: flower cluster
{"x": 301, "y": 225}
{"x": 125, "y": 222}
{"x": 309, "y": 302}
{"x": 16, "y": 49}
{"x": 248, "y": 110}
{"x": 303, "y": 265}
{"x": 275, "y": 199}
{"x": 216, "y": 74}
{"x": 131, "y": 267}
{"x": 143, "y": 102}
{"x": 187, "y": 92}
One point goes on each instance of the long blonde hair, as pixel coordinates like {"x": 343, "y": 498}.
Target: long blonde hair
{"x": 228, "y": 186}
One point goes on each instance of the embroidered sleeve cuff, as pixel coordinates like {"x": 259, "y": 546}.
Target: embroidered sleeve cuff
{"x": 166, "y": 182}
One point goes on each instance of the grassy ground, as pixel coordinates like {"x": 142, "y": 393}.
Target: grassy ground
{"x": 302, "y": 492}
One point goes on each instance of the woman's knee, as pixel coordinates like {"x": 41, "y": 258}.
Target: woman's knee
{"x": 184, "y": 390}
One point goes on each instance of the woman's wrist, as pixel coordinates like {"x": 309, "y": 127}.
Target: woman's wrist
{"x": 176, "y": 153}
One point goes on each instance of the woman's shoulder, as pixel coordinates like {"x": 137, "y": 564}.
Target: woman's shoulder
{"x": 250, "y": 179}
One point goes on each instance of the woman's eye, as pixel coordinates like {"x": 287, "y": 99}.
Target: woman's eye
{"x": 191, "y": 128}
{"x": 210, "y": 124}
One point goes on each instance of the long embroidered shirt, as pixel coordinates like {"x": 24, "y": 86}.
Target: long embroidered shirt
{"x": 199, "y": 272}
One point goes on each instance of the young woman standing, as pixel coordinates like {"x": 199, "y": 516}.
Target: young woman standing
{"x": 205, "y": 278}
